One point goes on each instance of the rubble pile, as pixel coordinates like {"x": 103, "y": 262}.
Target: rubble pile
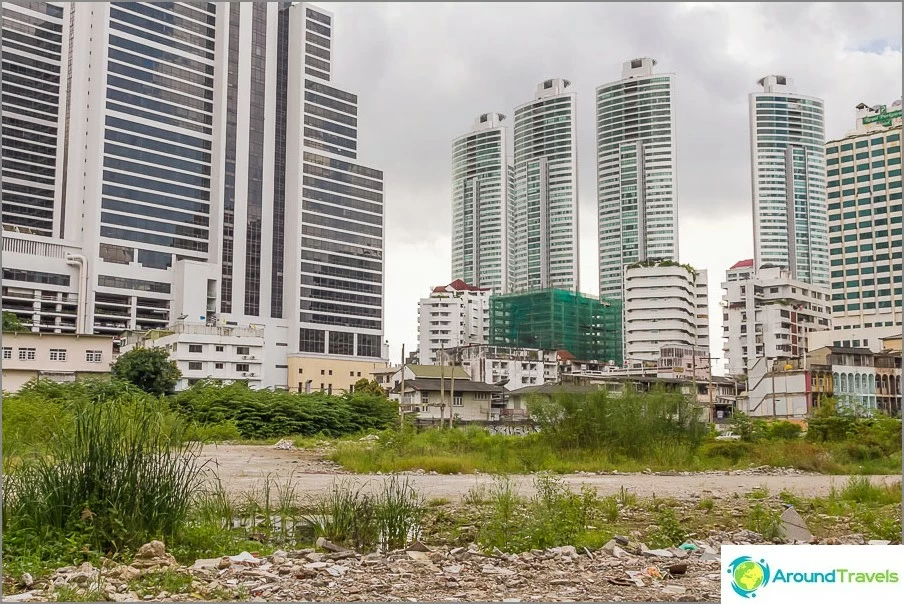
{"x": 622, "y": 569}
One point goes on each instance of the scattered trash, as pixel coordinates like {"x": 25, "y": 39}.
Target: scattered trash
{"x": 245, "y": 558}
{"x": 688, "y": 547}
{"x": 677, "y": 569}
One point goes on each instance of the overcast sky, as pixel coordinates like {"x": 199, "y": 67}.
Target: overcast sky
{"x": 424, "y": 71}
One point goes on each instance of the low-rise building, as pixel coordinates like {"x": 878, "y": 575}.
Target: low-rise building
{"x": 453, "y": 315}
{"x": 510, "y": 367}
{"x": 853, "y": 374}
{"x": 432, "y": 392}
{"x": 60, "y": 357}
{"x": 852, "y": 336}
{"x": 665, "y": 304}
{"x": 769, "y": 315}
{"x": 330, "y": 374}
{"x": 888, "y": 380}
{"x": 683, "y": 361}
{"x": 776, "y": 390}
{"x": 223, "y": 352}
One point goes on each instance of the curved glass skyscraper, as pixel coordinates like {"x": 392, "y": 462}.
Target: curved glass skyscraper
{"x": 636, "y": 171}
{"x": 480, "y": 204}
{"x": 787, "y": 149}
{"x": 544, "y": 212}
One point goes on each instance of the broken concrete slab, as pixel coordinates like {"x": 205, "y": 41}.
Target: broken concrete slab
{"x": 794, "y": 527}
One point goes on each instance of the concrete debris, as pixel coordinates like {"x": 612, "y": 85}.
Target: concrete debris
{"x": 26, "y": 580}
{"x": 284, "y": 445}
{"x": 329, "y": 545}
{"x": 441, "y": 573}
{"x": 794, "y": 528}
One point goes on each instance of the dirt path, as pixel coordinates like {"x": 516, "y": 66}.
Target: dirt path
{"x": 240, "y": 467}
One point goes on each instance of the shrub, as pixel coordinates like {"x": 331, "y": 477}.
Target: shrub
{"x": 668, "y": 532}
{"x": 767, "y": 523}
{"x": 148, "y": 368}
{"x": 727, "y": 449}
{"x": 783, "y": 430}
{"x": 119, "y": 476}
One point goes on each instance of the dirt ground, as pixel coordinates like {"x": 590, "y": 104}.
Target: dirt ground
{"x": 240, "y": 467}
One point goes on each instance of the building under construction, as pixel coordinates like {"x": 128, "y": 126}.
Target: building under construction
{"x": 589, "y": 329}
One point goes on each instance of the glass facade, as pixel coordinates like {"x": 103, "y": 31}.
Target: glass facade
{"x": 865, "y": 215}
{"x": 254, "y": 201}
{"x": 544, "y": 222}
{"x": 279, "y": 165}
{"x": 636, "y": 175}
{"x": 789, "y": 184}
{"x": 32, "y": 70}
{"x": 157, "y": 167}
{"x": 232, "y": 91}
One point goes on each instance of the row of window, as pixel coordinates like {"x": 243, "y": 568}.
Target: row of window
{"x": 55, "y": 354}
{"x": 199, "y": 366}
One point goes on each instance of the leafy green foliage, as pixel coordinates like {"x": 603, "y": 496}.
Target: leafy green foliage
{"x": 12, "y": 324}
{"x": 148, "y": 368}
{"x": 629, "y": 424}
{"x": 262, "y": 414}
{"x": 783, "y": 430}
{"x": 668, "y": 531}
{"x": 365, "y": 386}
{"x": 768, "y": 523}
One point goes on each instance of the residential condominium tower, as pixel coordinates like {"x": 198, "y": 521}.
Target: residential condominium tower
{"x": 787, "y": 149}
{"x": 480, "y": 204}
{"x": 212, "y": 178}
{"x": 865, "y": 213}
{"x": 636, "y": 171}
{"x": 544, "y": 211}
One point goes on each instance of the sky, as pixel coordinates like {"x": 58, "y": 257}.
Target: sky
{"x": 424, "y": 71}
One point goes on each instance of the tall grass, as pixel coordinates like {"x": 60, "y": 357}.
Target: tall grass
{"x": 119, "y": 475}
{"x": 349, "y": 515}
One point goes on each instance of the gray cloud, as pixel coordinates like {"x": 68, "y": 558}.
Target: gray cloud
{"x": 425, "y": 70}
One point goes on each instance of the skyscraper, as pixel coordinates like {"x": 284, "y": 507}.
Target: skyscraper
{"x": 865, "y": 213}
{"x": 544, "y": 210}
{"x": 34, "y": 89}
{"x": 636, "y": 171}
{"x": 211, "y": 178}
{"x": 787, "y": 148}
{"x": 480, "y": 204}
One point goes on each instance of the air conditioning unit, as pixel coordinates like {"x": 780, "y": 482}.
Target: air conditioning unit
{"x": 244, "y": 374}
{"x": 251, "y": 374}
{"x": 249, "y": 357}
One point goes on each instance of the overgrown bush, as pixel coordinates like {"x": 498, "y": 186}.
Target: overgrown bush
{"x": 262, "y": 414}
{"x": 783, "y": 430}
{"x": 630, "y": 423}
{"x": 731, "y": 450}
{"x": 116, "y": 476}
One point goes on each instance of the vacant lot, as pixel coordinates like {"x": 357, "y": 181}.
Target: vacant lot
{"x": 241, "y": 466}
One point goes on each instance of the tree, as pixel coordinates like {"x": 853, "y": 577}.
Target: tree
{"x": 148, "y": 368}
{"x": 11, "y": 323}
{"x": 365, "y": 386}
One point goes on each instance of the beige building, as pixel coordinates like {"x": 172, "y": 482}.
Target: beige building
{"x": 59, "y": 357}
{"x": 329, "y": 374}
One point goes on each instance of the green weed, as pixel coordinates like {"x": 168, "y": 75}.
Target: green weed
{"x": 766, "y": 522}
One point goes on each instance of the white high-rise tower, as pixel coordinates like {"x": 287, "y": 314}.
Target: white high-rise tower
{"x": 636, "y": 171}
{"x": 787, "y": 149}
{"x": 480, "y": 204}
{"x": 544, "y": 211}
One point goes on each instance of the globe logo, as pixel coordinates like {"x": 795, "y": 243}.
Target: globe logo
{"x": 748, "y": 575}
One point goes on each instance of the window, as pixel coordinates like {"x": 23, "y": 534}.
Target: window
{"x": 243, "y": 367}
{"x": 243, "y": 350}
{"x": 218, "y": 365}
{"x": 457, "y": 402}
{"x": 481, "y": 395}
{"x": 7, "y": 353}
{"x": 351, "y": 374}
{"x": 359, "y": 374}
{"x": 94, "y": 356}
{"x": 26, "y": 354}
{"x": 195, "y": 365}
{"x": 57, "y": 354}
{"x": 331, "y": 372}
{"x": 220, "y": 348}
{"x": 425, "y": 398}
{"x": 323, "y": 372}
{"x": 195, "y": 348}
{"x": 300, "y": 370}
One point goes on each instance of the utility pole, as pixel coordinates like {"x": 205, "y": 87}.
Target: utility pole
{"x": 442, "y": 384}
{"x": 402, "y": 393}
{"x": 452, "y": 389}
